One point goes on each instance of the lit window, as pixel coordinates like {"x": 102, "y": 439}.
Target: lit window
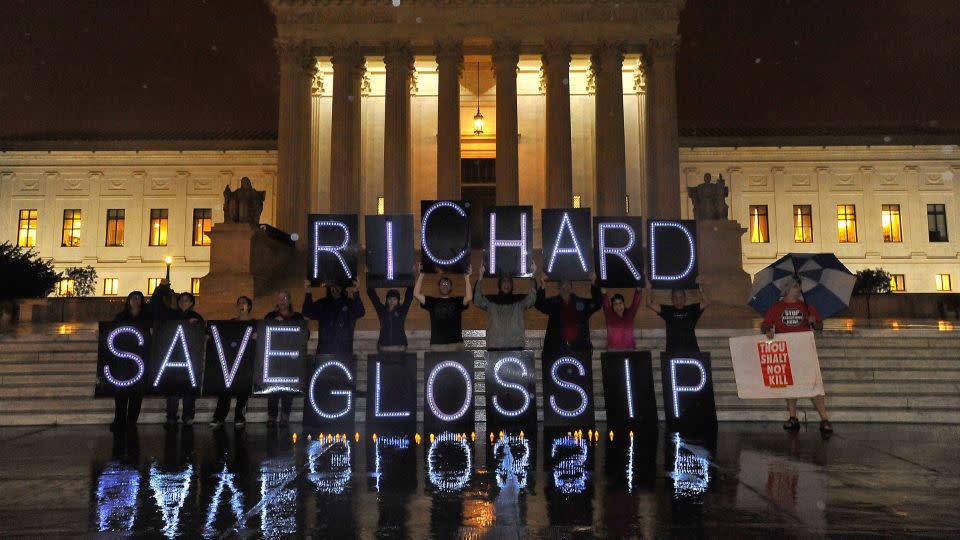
{"x": 27, "y": 228}
{"x": 759, "y": 231}
{"x": 576, "y": 201}
{"x": 626, "y": 204}
{"x": 110, "y": 286}
{"x": 152, "y": 284}
{"x": 202, "y": 223}
{"x": 937, "y": 222}
{"x": 71, "y": 228}
{"x": 195, "y": 286}
{"x": 943, "y": 283}
{"x": 802, "y": 224}
{"x": 115, "y": 222}
{"x": 846, "y": 223}
{"x": 890, "y": 217}
{"x": 66, "y": 287}
{"x": 158, "y": 226}
{"x": 380, "y": 206}
{"x": 898, "y": 283}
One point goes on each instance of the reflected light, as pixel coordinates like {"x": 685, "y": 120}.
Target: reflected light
{"x": 170, "y": 492}
{"x": 442, "y": 473}
{"x": 569, "y": 473}
{"x": 225, "y": 480}
{"x": 691, "y": 469}
{"x": 117, "y": 490}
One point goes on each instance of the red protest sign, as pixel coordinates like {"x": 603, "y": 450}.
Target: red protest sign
{"x": 775, "y": 364}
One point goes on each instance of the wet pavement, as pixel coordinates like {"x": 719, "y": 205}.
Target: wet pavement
{"x": 745, "y": 480}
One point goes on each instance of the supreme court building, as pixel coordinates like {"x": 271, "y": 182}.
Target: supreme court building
{"x": 544, "y": 103}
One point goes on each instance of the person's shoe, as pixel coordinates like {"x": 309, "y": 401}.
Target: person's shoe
{"x": 239, "y": 424}
{"x": 793, "y": 424}
{"x": 216, "y": 424}
{"x": 284, "y": 419}
{"x": 188, "y": 421}
{"x": 826, "y": 427}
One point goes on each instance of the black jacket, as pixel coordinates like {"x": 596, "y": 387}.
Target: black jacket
{"x": 392, "y": 323}
{"x": 337, "y": 318}
{"x": 553, "y": 342}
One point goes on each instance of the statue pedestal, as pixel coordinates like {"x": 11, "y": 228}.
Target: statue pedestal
{"x": 244, "y": 260}
{"x": 722, "y": 276}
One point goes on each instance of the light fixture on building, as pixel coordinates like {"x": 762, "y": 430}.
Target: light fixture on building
{"x": 380, "y": 206}
{"x": 576, "y": 201}
{"x": 478, "y": 118}
{"x": 168, "y": 260}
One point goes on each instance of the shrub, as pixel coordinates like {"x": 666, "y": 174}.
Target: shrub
{"x": 25, "y": 274}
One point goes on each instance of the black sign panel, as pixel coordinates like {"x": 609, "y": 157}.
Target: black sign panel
{"x": 390, "y": 257}
{"x": 567, "y": 250}
{"x": 619, "y": 251}
{"x": 508, "y": 231}
{"x": 282, "y": 358}
{"x": 445, "y": 236}
{"x": 511, "y": 390}
{"x": 688, "y": 403}
{"x": 392, "y": 460}
{"x": 122, "y": 357}
{"x": 568, "y": 391}
{"x": 628, "y": 390}
{"x": 333, "y": 248}
{"x": 176, "y": 360}
{"x": 231, "y": 353}
{"x": 672, "y": 253}
{"x": 392, "y": 393}
{"x": 329, "y": 405}
{"x": 448, "y": 392}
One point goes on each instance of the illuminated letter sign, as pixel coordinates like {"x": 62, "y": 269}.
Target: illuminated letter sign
{"x": 508, "y": 240}
{"x": 389, "y": 248}
{"x": 177, "y": 359}
{"x": 628, "y": 390}
{"x": 510, "y": 390}
{"x": 333, "y": 246}
{"x": 230, "y": 358}
{"x": 445, "y": 235}
{"x": 688, "y": 401}
{"x": 619, "y": 251}
{"x": 566, "y": 243}
{"x": 281, "y": 356}
{"x": 330, "y": 394}
{"x": 568, "y": 391}
{"x": 121, "y": 359}
{"x": 392, "y": 392}
{"x": 448, "y": 396}
{"x": 673, "y": 254}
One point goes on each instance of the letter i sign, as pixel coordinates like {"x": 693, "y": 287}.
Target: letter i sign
{"x": 775, "y": 364}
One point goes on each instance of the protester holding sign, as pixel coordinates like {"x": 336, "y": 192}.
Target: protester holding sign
{"x": 446, "y": 312}
{"x": 393, "y": 317}
{"x": 620, "y": 320}
{"x": 681, "y": 319}
{"x": 244, "y": 313}
{"x": 792, "y": 314}
{"x": 505, "y": 326}
{"x": 162, "y": 312}
{"x": 337, "y": 315}
{"x": 282, "y": 312}
{"x": 126, "y": 407}
{"x": 568, "y": 323}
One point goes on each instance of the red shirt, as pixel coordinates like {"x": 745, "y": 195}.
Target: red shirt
{"x": 620, "y": 329}
{"x": 571, "y": 321}
{"x": 790, "y": 317}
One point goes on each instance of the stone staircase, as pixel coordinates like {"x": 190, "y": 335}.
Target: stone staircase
{"x": 871, "y": 375}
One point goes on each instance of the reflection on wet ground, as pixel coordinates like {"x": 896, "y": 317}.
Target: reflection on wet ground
{"x": 745, "y": 480}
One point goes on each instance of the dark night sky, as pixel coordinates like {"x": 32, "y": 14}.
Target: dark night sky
{"x": 179, "y": 68}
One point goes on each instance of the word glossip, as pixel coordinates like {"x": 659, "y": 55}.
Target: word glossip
{"x": 268, "y": 357}
{"x": 573, "y": 245}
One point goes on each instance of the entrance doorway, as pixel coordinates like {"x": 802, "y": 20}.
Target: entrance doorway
{"x": 478, "y": 179}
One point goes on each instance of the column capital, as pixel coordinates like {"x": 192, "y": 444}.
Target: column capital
{"x": 662, "y": 49}
{"x": 296, "y": 53}
{"x": 556, "y": 52}
{"x": 607, "y": 55}
{"x": 397, "y": 54}
{"x": 506, "y": 55}
{"x": 347, "y": 55}
{"x": 448, "y": 50}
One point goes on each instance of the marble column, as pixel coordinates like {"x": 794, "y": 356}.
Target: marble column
{"x": 611, "y": 169}
{"x": 506, "y": 54}
{"x": 297, "y": 65}
{"x": 449, "y": 67}
{"x": 559, "y": 178}
{"x": 663, "y": 187}
{"x": 398, "y": 61}
{"x": 345, "y": 184}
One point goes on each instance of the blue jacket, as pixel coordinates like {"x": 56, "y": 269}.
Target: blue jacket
{"x": 337, "y": 318}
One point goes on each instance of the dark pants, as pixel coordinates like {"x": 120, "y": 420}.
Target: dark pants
{"x": 275, "y": 400}
{"x": 189, "y": 407}
{"x": 126, "y": 409}
{"x": 223, "y": 407}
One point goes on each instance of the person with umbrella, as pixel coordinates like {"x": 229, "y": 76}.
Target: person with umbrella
{"x": 793, "y": 314}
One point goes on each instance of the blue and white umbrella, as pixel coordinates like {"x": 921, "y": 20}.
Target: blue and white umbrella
{"x": 825, "y": 282}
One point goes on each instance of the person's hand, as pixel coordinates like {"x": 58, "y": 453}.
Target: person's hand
{"x": 533, "y": 266}
{"x": 593, "y": 277}
{"x": 469, "y": 270}
{"x": 648, "y": 284}
{"x": 164, "y": 281}
{"x": 811, "y": 319}
{"x": 770, "y": 333}
{"x": 419, "y": 267}
{"x": 483, "y": 269}
{"x": 306, "y": 284}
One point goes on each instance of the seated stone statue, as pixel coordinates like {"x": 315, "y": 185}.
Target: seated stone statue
{"x": 243, "y": 205}
{"x": 709, "y": 199}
